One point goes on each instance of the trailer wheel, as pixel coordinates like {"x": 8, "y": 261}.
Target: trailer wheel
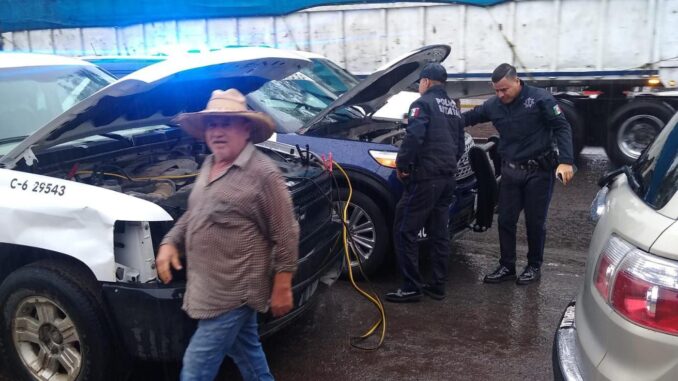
{"x": 633, "y": 127}
{"x": 577, "y": 124}
{"x": 51, "y": 327}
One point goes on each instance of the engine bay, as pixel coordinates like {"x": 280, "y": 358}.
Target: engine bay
{"x": 158, "y": 165}
{"x": 367, "y": 130}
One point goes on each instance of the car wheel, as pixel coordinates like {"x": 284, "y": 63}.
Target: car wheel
{"x": 52, "y": 329}
{"x": 370, "y": 237}
{"x": 633, "y": 127}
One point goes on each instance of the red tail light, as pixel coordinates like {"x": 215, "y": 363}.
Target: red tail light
{"x": 645, "y": 291}
{"x": 610, "y": 257}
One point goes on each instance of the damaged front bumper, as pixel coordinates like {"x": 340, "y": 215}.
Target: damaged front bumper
{"x": 149, "y": 323}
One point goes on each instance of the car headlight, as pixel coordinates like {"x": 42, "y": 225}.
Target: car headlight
{"x": 598, "y": 204}
{"x": 385, "y": 158}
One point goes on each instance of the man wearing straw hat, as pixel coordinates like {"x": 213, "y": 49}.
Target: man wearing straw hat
{"x": 238, "y": 230}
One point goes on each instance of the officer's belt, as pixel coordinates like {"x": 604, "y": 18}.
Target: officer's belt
{"x": 528, "y": 165}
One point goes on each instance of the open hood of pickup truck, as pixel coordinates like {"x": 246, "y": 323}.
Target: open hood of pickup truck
{"x": 373, "y": 92}
{"x": 157, "y": 93}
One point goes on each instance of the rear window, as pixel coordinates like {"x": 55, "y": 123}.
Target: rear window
{"x": 657, "y": 168}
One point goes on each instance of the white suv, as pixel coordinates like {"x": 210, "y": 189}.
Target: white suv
{"x": 623, "y": 324}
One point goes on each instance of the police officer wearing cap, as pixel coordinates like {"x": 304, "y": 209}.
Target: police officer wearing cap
{"x": 535, "y": 144}
{"x": 426, "y": 164}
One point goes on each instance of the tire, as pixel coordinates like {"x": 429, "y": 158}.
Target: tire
{"x": 48, "y": 312}
{"x": 577, "y": 124}
{"x": 633, "y": 127}
{"x": 373, "y": 236}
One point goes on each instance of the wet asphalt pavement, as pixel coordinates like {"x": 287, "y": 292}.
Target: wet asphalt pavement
{"x": 479, "y": 332}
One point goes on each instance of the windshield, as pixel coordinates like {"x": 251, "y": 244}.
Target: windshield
{"x": 32, "y": 96}
{"x": 294, "y": 101}
{"x": 657, "y": 168}
{"x": 330, "y": 75}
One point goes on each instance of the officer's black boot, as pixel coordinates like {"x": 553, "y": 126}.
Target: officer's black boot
{"x": 403, "y": 296}
{"x": 500, "y": 274}
{"x": 436, "y": 292}
{"x": 530, "y": 274}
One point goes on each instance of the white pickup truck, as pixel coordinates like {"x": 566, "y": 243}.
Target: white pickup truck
{"x": 92, "y": 175}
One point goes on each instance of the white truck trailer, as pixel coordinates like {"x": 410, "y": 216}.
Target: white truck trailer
{"x": 594, "y": 54}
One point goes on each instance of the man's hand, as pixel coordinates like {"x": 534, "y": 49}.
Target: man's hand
{"x": 402, "y": 175}
{"x": 168, "y": 254}
{"x": 281, "y": 297}
{"x": 565, "y": 172}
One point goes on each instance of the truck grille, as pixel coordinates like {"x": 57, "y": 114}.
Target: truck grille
{"x": 312, "y": 204}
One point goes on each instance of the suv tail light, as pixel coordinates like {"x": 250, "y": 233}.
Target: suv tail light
{"x": 645, "y": 291}
{"x": 612, "y": 254}
{"x": 639, "y": 286}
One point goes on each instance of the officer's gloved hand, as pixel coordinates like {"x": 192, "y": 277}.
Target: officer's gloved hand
{"x": 565, "y": 173}
{"x": 402, "y": 175}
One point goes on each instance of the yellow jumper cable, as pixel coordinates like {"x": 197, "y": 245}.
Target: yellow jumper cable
{"x": 374, "y": 298}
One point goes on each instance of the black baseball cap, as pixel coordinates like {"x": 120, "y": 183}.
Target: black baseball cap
{"x": 434, "y": 71}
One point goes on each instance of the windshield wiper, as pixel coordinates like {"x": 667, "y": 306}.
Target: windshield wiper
{"x": 14, "y": 139}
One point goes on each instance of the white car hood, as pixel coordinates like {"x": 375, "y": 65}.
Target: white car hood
{"x": 374, "y": 91}
{"x": 157, "y": 93}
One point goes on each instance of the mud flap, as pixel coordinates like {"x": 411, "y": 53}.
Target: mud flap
{"x": 488, "y": 187}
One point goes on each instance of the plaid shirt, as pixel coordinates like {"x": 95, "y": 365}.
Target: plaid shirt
{"x": 239, "y": 230}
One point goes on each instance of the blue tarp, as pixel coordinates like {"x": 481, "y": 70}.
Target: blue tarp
{"x": 18, "y": 15}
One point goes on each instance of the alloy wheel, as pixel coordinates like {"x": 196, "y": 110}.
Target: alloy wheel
{"x": 362, "y": 231}
{"x": 46, "y": 340}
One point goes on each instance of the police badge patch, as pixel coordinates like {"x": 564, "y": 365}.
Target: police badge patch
{"x": 556, "y": 110}
{"x": 414, "y": 112}
{"x": 529, "y": 102}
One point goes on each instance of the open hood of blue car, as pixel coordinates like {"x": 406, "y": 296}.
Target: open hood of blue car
{"x": 374, "y": 91}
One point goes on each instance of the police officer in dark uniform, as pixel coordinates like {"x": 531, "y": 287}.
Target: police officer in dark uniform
{"x": 427, "y": 164}
{"x": 535, "y": 143}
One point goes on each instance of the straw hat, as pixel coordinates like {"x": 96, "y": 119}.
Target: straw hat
{"x": 229, "y": 103}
